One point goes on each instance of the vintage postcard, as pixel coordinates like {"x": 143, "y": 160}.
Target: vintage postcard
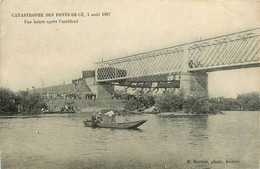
{"x": 129, "y": 84}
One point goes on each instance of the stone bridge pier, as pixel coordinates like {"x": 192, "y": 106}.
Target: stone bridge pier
{"x": 194, "y": 83}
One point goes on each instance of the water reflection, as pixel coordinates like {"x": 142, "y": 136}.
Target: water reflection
{"x": 194, "y": 127}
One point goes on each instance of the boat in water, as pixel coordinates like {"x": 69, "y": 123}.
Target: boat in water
{"x": 125, "y": 125}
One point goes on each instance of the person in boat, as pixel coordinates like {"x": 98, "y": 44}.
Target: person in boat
{"x": 66, "y": 108}
{"x": 99, "y": 118}
{"x": 93, "y": 118}
{"x": 74, "y": 109}
{"x": 43, "y": 110}
{"x": 112, "y": 116}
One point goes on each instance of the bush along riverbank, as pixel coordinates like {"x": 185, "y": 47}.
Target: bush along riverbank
{"x": 190, "y": 105}
{"x": 31, "y": 103}
{"x": 170, "y": 102}
{"x": 20, "y": 103}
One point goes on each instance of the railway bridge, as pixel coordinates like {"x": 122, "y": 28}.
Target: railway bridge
{"x": 183, "y": 66}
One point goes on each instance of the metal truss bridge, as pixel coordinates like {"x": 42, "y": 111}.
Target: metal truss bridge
{"x": 164, "y": 66}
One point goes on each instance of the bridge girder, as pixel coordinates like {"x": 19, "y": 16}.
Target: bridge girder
{"x": 231, "y": 51}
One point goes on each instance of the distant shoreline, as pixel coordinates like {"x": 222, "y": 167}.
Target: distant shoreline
{"x": 162, "y": 114}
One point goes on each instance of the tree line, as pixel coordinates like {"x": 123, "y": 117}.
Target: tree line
{"x": 28, "y": 103}
{"x": 22, "y": 102}
{"x": 172, "y": 102}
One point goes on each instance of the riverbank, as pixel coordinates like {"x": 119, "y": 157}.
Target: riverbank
{"x": 86, "y": 105}
{"x": 182, "y": 113}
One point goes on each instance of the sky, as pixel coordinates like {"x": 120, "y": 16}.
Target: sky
{"x": 57, "y": 53}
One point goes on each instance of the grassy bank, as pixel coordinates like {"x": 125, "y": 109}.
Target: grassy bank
{"x": 86, "y": 105}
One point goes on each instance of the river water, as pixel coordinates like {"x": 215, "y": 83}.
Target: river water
{"x": 62, "y": 141}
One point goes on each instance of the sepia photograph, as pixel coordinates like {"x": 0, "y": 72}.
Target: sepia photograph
{"x": 126, "y": 84}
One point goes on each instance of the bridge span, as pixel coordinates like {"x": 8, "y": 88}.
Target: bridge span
{"x": 183, "y": 66}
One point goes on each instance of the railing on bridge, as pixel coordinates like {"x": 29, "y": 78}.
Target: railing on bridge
{"x": 234, "y": 50}
{"x": 225, "y": 51}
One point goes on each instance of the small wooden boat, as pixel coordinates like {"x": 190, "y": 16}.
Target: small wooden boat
{"x": 125, "y": 125}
